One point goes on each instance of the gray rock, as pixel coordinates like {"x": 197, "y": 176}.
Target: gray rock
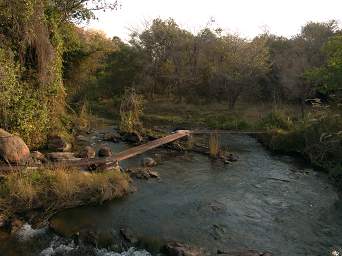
{"x": 105, "y": 151}
{"x": 180, "y": 249}
{"x": 148, "y": 162}
{"x": 12, "y": 148}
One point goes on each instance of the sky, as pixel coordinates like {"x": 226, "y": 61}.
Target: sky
{"x": 247, "y": 18}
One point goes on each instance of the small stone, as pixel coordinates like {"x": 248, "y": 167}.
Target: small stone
{"x": 58, "y": 143}
{"x": 105, "y": 151}
{"x": 148, "y": 162}
{"x": 87, "y": 152}
{"x": 36, "y": 155}
{"x": 180, "y": 249}
{"x": 153, "y": 174}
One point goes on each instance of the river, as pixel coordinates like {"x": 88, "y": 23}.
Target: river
{"x": 263, "y": 201}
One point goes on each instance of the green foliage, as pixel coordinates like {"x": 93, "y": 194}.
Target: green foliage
{"x": 328, "y": 78}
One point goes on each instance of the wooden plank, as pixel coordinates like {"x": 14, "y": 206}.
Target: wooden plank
{"x": 117, "y": 157}
{"x": 150, "y": 145}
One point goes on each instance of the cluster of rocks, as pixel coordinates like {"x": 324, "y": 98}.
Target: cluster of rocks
{"x": 143, "y": 173}
{"x": 176, "y": 248}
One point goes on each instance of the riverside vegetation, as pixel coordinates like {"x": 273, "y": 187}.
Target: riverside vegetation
{"x": 55, "y": 75}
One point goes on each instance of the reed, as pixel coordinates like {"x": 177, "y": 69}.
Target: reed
{"x": 214, "y": 145}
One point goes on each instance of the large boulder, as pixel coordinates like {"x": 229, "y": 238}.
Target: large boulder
{"x": 12, "y": 148}
{"x": 58, "y": 143}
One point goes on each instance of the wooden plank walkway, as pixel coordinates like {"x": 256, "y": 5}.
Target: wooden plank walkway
{"x": 100, "y": 161}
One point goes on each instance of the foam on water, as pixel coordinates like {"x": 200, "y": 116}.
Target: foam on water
{"x": 26, "y": 232}
{"x": 61, "y": 246}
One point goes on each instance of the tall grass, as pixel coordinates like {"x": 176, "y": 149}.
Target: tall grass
{"x": 131, "y": 110}
{"x": 214, "y": 145}
{"x": 57, "y": 189}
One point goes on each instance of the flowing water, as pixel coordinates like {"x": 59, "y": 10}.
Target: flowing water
{"x": 263, "y": 202}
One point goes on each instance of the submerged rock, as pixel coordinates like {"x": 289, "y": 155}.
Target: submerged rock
{"x": 245, "y": 253}
{"x": 132, "y": 137}
{"x": 180, "y": 249}
{"x": 128, "y": 235}
{"x": 105, "y": 151}
{"x": 58, "y": 143}
{"x": 143, "y": 173}
{"x": 87, "y": 152}
{"x": 12, "y": 148}
{"x": 148, "y": 162}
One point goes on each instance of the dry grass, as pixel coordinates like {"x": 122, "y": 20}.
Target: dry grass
{"x": 214, "y": 145}
{"x": 58, "y": 189}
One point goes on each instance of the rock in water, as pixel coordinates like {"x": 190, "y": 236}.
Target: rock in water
{"x": 244, "y": 253}
{"x": 12, "y": 148}
{"x": 112, "y": 137}
{"x": 132, "y": 137}
{"x": 128, "y": 235}
{"x": 87, "y": 152}
{"x": 105, "y": 151}
{"x": 180, "y": 249}
{"x": 58, "y": 143}
{"x": 148, "y": 162}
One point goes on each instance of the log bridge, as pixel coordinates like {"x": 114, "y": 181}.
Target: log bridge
{"x": 123, "y": 155}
